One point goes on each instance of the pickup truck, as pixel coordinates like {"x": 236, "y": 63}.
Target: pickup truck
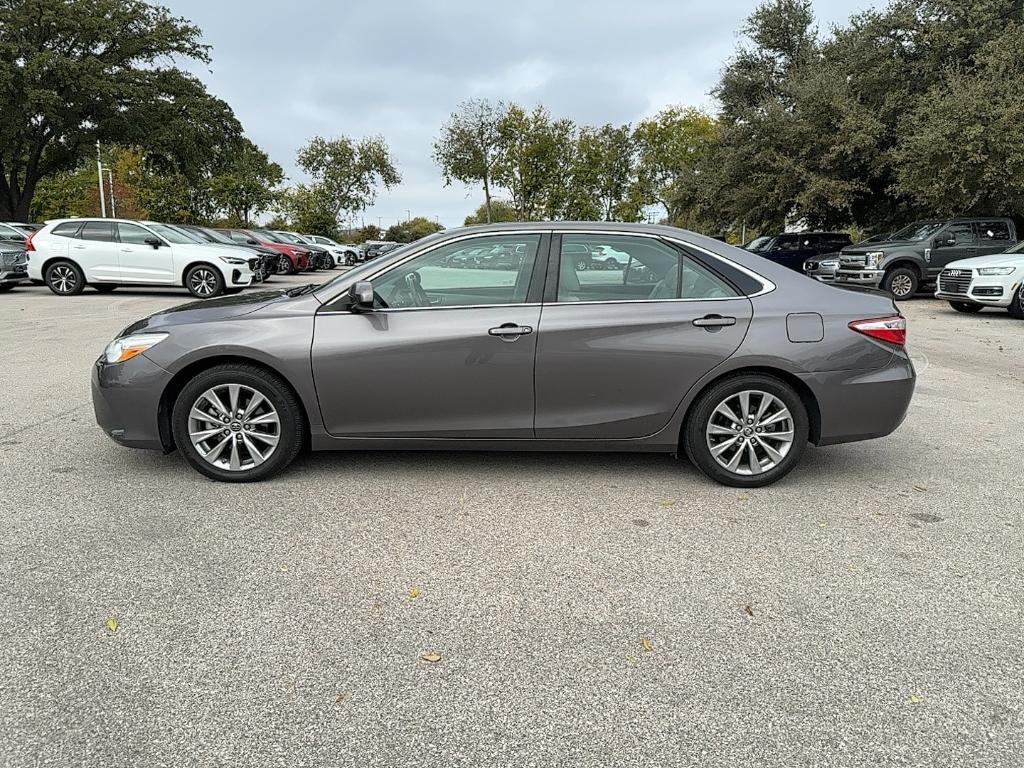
{"x": 914, "y": 256}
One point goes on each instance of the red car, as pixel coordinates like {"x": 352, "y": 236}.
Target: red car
{"x": 294, "y": 258}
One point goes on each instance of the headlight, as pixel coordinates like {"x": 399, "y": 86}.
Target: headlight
{"x": 874, "y": 258}
{"x": 127, "y": 347}
{"x": 233, "y": 260}
{"x": 996, "y": 270}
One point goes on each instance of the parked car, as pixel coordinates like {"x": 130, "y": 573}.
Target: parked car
{"x": 12, "y": 234}
{"x": 344, "y": 255}
{"x": 730, "y": 358}
{"x": 292, "y": 258}
{"x": 374, "y": 248}
{"x": 26, "y": 227}
{"x": 915, "y": 255}
{"x": 68, "y": 254}
{"x": 13, "y": 265}
{"x": 268, "y": 259}
{"x": 792, "y": 249}
{"x": 319, "y": 257}
{"x": 824, "y": 267}
{"x": 996, "y": 280}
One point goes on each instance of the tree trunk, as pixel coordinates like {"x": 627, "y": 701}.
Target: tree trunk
{"x": 487, "y": 197}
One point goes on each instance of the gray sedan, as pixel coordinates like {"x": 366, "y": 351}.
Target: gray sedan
{"x": 694, "y": 346}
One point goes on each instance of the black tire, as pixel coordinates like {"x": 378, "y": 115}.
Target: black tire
{"x": 104, "y": 287}
{"x": 292, "y": 433}
{"x": 695, "y": 441}
{"x": 901, "y": 283}
{"x": 1017, "y": 305}
{"x": 286, "y": 266}
{"x": 5, "y": 287}
{"x": 966, "y": 307}
{"x": 611, "y": 264}
{"x": 204, "y": 281}
{"x": 65, "y": 278}
{"x": 582, "y": 266}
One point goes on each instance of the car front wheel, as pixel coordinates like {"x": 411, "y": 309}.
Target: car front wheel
{"x": 204, "y": 282}
{"x": 748, "y": 431}
{"x": 238, "y": 423}
{"x": 1017, "y": 305}
{"x": 65, "y": 278}
{"x": 901, "y": 283}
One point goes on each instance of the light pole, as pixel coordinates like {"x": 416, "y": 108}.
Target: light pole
{"x": 99, "y": 174}
{"x": 113, "y": 206}
{"x": 408, "y": 215}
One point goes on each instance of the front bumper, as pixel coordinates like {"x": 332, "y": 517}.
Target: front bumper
{"x": 126, "y": 400}
{"x": 858, "y": 405}
{"x": 872, "y": 277}
{"x": 820, "y": 272}
{"x": 985, "y": 291}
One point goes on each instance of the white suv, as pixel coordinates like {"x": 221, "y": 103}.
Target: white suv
{"x": 68, "y": 254}
{"x": 344, "y": 255}
{"x": 997, "y": 280}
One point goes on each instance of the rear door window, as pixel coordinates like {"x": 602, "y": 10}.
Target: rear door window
{"x": 993, "y": 232}
{"x": 67, "y": 229}
{"x": 98, "y": 231}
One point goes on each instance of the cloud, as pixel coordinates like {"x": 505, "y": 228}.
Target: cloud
{"x": 297, "y": 69}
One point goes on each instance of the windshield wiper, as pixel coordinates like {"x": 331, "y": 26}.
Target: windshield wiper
{"x": 302, "y": 290}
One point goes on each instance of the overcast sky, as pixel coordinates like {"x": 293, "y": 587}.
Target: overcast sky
{"x": 296, "y": 68}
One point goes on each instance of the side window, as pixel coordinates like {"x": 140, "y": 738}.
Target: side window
{"x": 599, "y": 267}
{"x": 98, "y": 231}
{"x": 494, "y": 269}
{"x": 10, "y": 233}
{"x": 239, "y": 237}
{"x": 788, "y": 243}
{"x": 964, "y": 233}
{"x": 132, "y": 233}
{"x": 67, "y": 229}
{"x": 989, "y": 231}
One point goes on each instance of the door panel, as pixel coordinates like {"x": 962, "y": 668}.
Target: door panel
{"x": 965, "y": 248}
{"x": 96, "y": 252}
{"x": 426, "y": 373}
{"x": 140, "y": 261}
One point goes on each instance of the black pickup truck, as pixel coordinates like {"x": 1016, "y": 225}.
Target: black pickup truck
{"x": 914, "y": 256}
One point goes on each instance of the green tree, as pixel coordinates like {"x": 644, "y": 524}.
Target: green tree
{"x": 367, "y": 232}
{"x": 309, "y": 208}
{"x": 76, "y": 71}
{"x": 604, "y": 176}
{"x": 534, "y": 162}
{"x": 347, "y": 172}
{"x": 413, "y": 229}
{"x": 500, "y": 212}
{"x": 469, "y": 145}
{"x": 244, "y": 187}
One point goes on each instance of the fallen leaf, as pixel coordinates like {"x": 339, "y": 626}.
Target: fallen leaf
{"x": 742, "y": 497}
{"x": 112, "y": 623}
{"x": 646, "y": 644}
{"x": 914, "y": 699}
{"x": 341, "y": 698}
{"x": 667, "y": 503}
{"x": 433, "y": 658}
{"x": 414, "y": 592}
{"x": 921, "y": 488}
{"x": 748, "y": 610}
{"x": 631, "y": 660}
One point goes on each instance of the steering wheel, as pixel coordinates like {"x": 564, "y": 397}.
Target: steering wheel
{"x": 416, "y": 293}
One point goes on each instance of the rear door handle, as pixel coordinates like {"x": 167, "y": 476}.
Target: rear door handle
{"x": 714, "y": 321}
{"x": 510, "y": 331}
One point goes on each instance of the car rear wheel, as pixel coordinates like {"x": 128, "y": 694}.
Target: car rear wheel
{"x": 65, "y": 278}
{"x": 966, "y": 307}
{"x": 748, "y": 431}
{"x": 901, "y": 283}
{"x": 238, "y": 423}
{"x": 5, "y": 287}
{"x": 204, "y": 282}
{"x": 1017, "y": 305}
{"x": 581, "y": 265}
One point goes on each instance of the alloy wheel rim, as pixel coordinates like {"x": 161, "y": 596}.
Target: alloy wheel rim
{"x": 750, "y": 432}
{"x": 203, "y": 282}
{"x": 63, "y": 279}
{"x": 284, "y": 264}
{"x": 901, "y": 285}
{"x": 234, "y": 427}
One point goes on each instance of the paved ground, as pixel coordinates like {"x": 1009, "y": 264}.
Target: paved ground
{"x": 865, "y": 612}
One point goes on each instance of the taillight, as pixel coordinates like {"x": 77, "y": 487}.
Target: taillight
{"x": 892, "y": 329}
{"x": 28, "y": 242}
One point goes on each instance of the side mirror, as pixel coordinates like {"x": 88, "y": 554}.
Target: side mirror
{"x": 154, "y": 241}
{"x": 360, "y": 296}
{"x": 945, "y": 240}
{"x": 253, "y": 242}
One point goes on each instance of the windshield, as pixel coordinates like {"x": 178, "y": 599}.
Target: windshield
{"x": 215, "y": 237}
{"x": 324, "y": 241}
{"x": 288, "y": 237}
{"x": 270, "y": 237}
{"x": 758, "y": 243}
{"x": 920, "y": 230}
{"x": 1018, "y": 248}
{"x": 173, "y": 234}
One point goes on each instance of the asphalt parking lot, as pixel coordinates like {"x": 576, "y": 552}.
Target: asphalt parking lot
{"x": 588, "y": 610}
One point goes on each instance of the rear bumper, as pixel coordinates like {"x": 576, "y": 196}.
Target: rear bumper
{"x": 858, "y": 405}
{"x": 126, "y": 401}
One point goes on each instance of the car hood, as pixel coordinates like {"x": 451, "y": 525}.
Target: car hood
{"x": 209, "y": 310}
{"x": 888, "y": 244}
{"x": 992, "y": 260}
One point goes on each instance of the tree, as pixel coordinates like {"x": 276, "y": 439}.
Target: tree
{"x": 500, "y": 212}
{"x": 347, "y": 171}
{"x": 367, "y": 232}
{"x": 244, "y": 186}
{"x": 76, "y": 71}
{"x": 309, "y": 209}
{"x": 604, "y": 175}
{"x": 413, "y": 229}
{"x": 469, "y": 145}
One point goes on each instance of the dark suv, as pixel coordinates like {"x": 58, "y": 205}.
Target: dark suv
{"x": 913, "y": 257}
{"x": 792, "y": 249}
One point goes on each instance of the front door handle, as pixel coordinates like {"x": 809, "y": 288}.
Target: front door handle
{"x": 714, "y": 321}
{"x": 510, "y": 331}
